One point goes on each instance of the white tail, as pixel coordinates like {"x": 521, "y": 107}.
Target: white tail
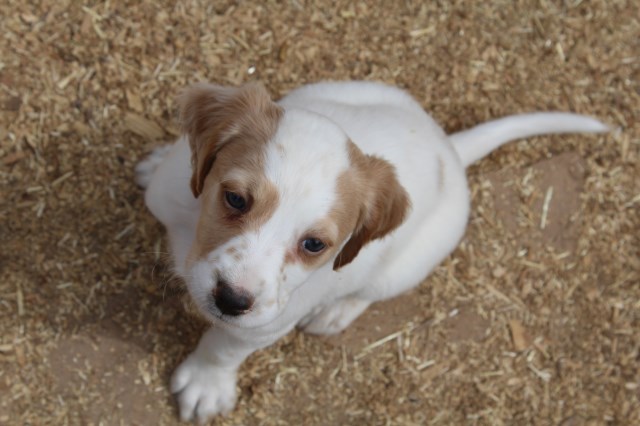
{"x": 473, "y": 144}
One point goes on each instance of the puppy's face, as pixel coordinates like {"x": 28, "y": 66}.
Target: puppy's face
{"x": 284, "y": 195}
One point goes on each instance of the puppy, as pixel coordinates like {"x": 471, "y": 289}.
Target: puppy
{"x": 305, "y": 211}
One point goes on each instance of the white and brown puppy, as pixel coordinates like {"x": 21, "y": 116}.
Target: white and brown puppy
{"x": 305, "y": 211}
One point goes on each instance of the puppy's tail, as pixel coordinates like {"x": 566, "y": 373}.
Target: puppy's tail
{"x": 473, "y": 144}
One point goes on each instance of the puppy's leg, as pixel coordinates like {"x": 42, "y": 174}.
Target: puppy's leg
{"x": 334, "y": 318}
{"x": 206, "y": 381}
{"x": 145, "y": 168}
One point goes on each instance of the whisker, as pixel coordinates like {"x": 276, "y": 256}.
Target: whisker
{"x": 145, "y": 252}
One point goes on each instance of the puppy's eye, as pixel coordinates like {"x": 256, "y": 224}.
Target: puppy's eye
{"x": 235, "y": 201}
{"x": 313, "y": 245}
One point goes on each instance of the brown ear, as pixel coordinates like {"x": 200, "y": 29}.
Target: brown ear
{"x": 384, "y": 206}
{"x": 212, "y": 115}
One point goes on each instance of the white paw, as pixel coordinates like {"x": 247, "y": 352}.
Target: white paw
{"x": 335, "y": 318}
{"x": 204, "y": 389}
{"x": 145, "y": 168}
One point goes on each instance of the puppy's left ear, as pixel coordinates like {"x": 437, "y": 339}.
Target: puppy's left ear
{"x": 384, "y": 207}
{"x": 212, "y": 116}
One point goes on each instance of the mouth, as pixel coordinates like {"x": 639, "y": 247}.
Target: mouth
{"x": 207, "y": 307}
{"x": 212, "y": 314}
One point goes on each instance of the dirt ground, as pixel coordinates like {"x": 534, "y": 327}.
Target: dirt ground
{"x": 534, "y": 319}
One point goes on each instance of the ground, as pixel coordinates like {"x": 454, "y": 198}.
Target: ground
{"x": 534, "y": 319}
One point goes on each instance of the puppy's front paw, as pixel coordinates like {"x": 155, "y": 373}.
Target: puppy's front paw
{"x": 145, "y": 168}
{"x": 204, "y": 389}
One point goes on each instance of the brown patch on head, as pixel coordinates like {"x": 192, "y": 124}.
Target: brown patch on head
{"x": 212, "y": 116}
{"x": 382, "y": 203}
{"x": 218, "y": 222}
{"x": 230, "y": 126}
{"x": 370, "y": 203}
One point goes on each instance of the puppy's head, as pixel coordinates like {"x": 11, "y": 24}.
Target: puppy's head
{"x": 284, "y": 194}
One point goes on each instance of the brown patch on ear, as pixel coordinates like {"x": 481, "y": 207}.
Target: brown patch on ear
{"x": 212, "y": 116}
{"x": 383, "y": 207}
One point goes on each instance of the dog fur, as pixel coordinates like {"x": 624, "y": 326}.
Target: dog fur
{"x": 253, "y": 187}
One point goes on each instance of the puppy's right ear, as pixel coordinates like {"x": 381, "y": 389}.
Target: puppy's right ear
{"x": 384, "y": 207}
{"x": 212, "y": 115}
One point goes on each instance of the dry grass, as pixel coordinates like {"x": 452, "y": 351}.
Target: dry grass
{"x": 535, "y": 319}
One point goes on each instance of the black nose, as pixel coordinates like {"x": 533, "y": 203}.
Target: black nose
{"x": 230, "y": 300}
